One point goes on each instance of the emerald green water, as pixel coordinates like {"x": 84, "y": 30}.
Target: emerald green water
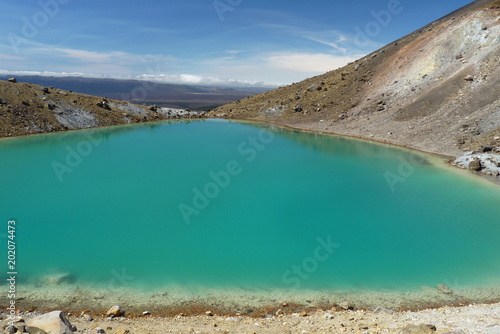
{"x": 222, "y": 204}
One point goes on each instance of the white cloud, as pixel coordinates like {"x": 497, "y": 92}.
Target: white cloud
{"x": 188, "y": 79}
{"x": 312, "y": 63}
{"x": 9, "y": 57}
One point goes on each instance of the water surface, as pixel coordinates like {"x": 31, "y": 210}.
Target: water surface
{"x": 221, "y": 204}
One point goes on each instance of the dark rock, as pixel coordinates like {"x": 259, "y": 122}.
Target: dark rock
{"x": 51, "y": 106}
{"x": 469, "y": 78}
{"x": 103, "y": 104}
{"x": 26, "y": 103}
{"x": 3, "y": 101}
{"x": 45, "y": 90}
{"x": 13, "y": 80}
{"x": 487, "y": 148}
{"x": 298, "y": 109}
{"x": 475, "y": 165}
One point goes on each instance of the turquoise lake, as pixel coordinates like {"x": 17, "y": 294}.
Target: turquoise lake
{"x": 224, "y": 204}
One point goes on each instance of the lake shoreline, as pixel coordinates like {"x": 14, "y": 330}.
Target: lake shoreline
{"x": 257, "y": 303}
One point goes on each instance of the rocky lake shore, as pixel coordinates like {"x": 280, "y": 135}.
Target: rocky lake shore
{"x": 483, "y": 319}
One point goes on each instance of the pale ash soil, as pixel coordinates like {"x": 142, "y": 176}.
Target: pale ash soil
{"x": 471, "y": 319}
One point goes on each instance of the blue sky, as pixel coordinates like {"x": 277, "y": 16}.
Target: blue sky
{"x": 203, "y": 41}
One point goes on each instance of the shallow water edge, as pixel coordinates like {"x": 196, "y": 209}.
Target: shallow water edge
{"x": 251, "y": 302}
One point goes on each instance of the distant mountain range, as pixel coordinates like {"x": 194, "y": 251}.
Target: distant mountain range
{"x": 195, "y": 97}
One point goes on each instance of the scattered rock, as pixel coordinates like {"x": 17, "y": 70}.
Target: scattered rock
{"x": 383, "y": 310}
{"x": 298, "y": 109}
{"x": 115, "y": 311}
{"x": 418, "y": 329}
{"x": 469, "y": 78}
{"x": 346, "y": 305}
{"x": 58, "y": 278}
{"x": 153, "y": 107}
{"x": 313, "y": 88}
{"x": 487, "y": 148}
{"x": 104, "y": 104}
{"x": 13, "y": 80}
{"x": 475, "y": 165}
{"x": 52, "y": 323}
{"x": 444, "y": 289}
{"x": 122, "y": 331}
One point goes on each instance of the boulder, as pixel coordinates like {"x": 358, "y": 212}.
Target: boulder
{"x": 3, "y": 101}
{"x": 13, "y": 80}
{"x": 115, "y": 311}
{"x": 469, "y": 78}
{"x": 298, "y": 109}
{"x": 34, "y": 330}
{"x": 52, "y": 323}
{"x": 475, "y": 165}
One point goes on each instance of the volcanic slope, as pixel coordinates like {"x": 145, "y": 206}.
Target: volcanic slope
{"x": 436, "y": 89}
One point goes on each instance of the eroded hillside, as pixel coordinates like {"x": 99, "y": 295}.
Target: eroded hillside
{"x": 29, "y": 109}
